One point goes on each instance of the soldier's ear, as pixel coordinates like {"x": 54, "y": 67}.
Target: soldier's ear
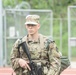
{"x": 38, "y": 26}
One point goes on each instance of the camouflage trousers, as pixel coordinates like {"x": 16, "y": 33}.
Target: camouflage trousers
{"x": 46, "y": 71}
{"x": 50, "y": 71}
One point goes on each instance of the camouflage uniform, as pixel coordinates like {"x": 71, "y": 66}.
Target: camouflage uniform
{"x": 41, "y": 52}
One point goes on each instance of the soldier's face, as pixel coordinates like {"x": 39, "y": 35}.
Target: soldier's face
{"x": 32, "y": 29}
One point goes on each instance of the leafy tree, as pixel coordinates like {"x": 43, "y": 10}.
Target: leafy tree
{"x": 59, "y": 7}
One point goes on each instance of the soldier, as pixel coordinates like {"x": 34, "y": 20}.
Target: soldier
{"x": 43, "y": 50}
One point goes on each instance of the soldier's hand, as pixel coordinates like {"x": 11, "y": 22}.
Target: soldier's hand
{"x": 24, "y": 64}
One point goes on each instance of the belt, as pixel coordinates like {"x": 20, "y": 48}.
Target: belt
{"x": 43, "y": 62}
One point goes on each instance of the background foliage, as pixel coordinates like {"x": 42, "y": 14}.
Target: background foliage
{"x": 59, "y": 8}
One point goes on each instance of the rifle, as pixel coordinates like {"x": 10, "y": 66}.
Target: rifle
{"x": 35, "y": 69}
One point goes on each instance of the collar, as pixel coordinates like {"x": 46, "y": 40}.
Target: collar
{"x": 34, "y": 41}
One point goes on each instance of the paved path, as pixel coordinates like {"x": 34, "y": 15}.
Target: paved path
{"x": 9, "y": 71}
{"x": 6, "y": 71}
{"x": 69, "y": 71}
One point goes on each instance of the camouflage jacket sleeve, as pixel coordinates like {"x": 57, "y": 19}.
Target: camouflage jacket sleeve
{"x": 54, "y": 58}
{"x": 15, "y": 56}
